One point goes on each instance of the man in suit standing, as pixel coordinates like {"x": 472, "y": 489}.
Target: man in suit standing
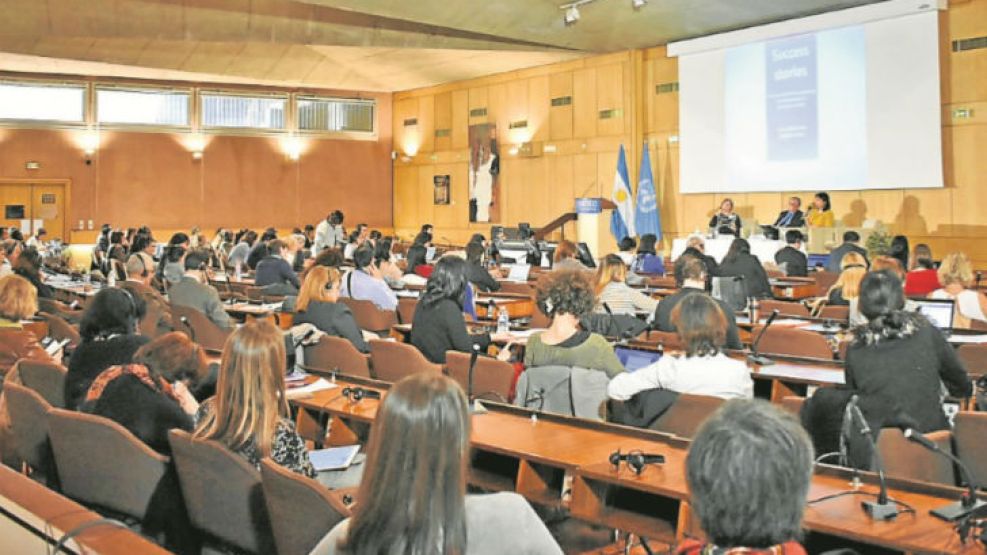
{"x": 690, "y": 275}
{"x": 851, "y": 243}
{"x": 794, "y": 260}
{"x": 194, "y": 292}
{"x": 793, "y": 217}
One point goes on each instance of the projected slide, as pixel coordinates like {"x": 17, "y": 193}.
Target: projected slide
{"x": 795, "y": 112}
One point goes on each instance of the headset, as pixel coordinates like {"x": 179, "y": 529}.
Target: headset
{"x": 356, "y": 394}
{"x": 636, "y": 460}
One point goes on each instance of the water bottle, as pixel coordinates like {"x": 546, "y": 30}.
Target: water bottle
{"x": 755, "y": 310}
{"x": 503, "y": 321}
{"x": 491, "y": 309}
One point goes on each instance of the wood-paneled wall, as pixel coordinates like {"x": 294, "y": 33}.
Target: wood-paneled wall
{"x": 538, "y": 189}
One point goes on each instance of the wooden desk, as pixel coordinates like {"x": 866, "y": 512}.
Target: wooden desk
{"x": 792, "y": 289}
{"x": 518, "y": 306}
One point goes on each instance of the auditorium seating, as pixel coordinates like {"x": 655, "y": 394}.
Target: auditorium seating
{"x": 28, "y": 412}
{"x": 783, "y": 340}
{"x": 199, "y": 328}
{"x": 336, "y": 353}
{"x": 793, "y": 404}
{"x": 969, "y": 436}
{"x": 369, "y": 317}
{"x": 784, "y": 308}
{"x": 665, "y": 339}
{"x": 974, "y": 357}
{"x": 302, "y": 510}
{"x": 61, "y": 330}
{"x": 492, "y": 378}
{"x": 45, "y": 378}
{"x": 905, "y": 459}
{"x": 406, "y": 309}
{"x": 824, "y": 280}
{"x": 686, "y": 415}
{"x": 392, "y": 361}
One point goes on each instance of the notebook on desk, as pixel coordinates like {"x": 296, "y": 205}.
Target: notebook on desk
{"x": 519, "y": 272}
{"x": 333, "y": 458}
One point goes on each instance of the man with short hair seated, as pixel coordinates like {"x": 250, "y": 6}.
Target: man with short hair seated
{"x": 749, "y": 469}
{"x": 851, "y": 243}
{"x": 690, "y": 276}
{"x": 365, "y": 282}
{"x": 193, "y": 291}
{"x": 274, "y": 270}
{"x": 794, "y": 260}
{"x": 157, "y": 319}
{"x": 696, "y": 246}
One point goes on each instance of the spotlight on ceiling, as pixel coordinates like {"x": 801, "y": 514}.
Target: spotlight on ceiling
{"x": 638, "y": 4}
{"x": 571, "y": 15}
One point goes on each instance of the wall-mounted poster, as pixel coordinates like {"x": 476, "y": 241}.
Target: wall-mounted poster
{"x": 442, "y": 195}
{"x": 484, "y": 168}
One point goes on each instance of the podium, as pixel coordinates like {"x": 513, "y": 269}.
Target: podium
{"x": 590, "y": 226}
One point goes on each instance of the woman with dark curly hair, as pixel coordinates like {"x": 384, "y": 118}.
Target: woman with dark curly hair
{"x": 566, "y": 296}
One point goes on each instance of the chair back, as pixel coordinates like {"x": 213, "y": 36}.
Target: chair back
{"x": 685, "y": 416}
{"x": 199, "y": 328}
{"x": 839, "y": 313}
{"x": 101, "y": 463}
{"x": 784, "y": 308}
{"x": 254, "y": 293}
{"x": 28, "y": 412}
{"x": 369, "y": 317}
{"x": 392, "y": 361}
{"x": 58, "y": 308}
{"x": 406, "y": 309}
{"x": 784, "y": 340}
{"x": 969, "y": 431}
{"x": 792, "y": 405}
{"x": 824, "y": 280}
{"x": 60, "y": 329}
{"x": 517, "y": 287}
{"x": 905, "y": 459}
{"x": 667, "y": 339}
{"x": 332, "y": 353}
{"x": 223, "y": 493}
{"x": 302, "y": 510}
{"x": 731, "y": 291}
{"x": 45, "y": 378}
{"x": 974, "y": 357}
{"x": 492, "y": 378}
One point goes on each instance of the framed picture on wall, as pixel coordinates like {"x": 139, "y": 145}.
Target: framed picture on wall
{"x": 442, "y": 194}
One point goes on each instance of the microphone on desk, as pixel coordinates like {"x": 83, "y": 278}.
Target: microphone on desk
{"x": 882, "y": 509}
{"x": 188, "y": 326}
{"x": 475, "y": 407}
{"x": 607, "y": 308}
{"x": 754, "y": 357}
{"x": 967, "y": 504}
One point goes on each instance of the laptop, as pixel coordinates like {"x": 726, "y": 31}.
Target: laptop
{"x": 938, "y": 311}
{"x": 429, "y": 254}
{"x": 519, "y": 272}
{"x": 817, "y": 260}
{"x": 635, "y": 359}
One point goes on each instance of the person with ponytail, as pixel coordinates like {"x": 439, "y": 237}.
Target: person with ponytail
{"x": 900, "y": 357}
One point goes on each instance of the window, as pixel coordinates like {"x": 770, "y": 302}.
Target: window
{"x": 143, "y": 106}
{"x": 247, "y": 112}
{"x": 51, "y": 102}
{"x": 335, "y": 114}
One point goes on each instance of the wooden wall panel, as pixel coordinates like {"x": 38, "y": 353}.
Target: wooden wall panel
{"x": 406, "y": 138}
{"x": 560, "y": 117}
{"x": 460, "y": 119}
{"x": 498, "y": 112}
{"x": 610, "y": 96}
{"x": 538, "y": 106}
{"x": 443, "y": 120}
{"x": 584, "y": 114}
{"x": 426, "y": 124}
{"x": 406, "y": 197}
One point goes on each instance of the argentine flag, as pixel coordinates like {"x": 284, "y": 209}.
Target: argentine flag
{"x": 622, "y": 218}
{"x": 646, "y": 218}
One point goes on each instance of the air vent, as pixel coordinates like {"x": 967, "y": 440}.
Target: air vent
{"x": 562, "y": 101}
{"x": 665, "y": 88}
{"x": 478, "y": 112}
{"x": 521, "y": 124}
{"x": 410, "y": 121}
{"x": 963, "y": 45}
{"x": 609, "y": 114}
{"x": 443, "y": 132}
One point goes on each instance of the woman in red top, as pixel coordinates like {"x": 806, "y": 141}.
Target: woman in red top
{"x": 922, "y": 277}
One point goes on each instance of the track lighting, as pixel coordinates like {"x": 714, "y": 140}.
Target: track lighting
{"x": 571, "y": 15}
{"x": 638, "y": 4}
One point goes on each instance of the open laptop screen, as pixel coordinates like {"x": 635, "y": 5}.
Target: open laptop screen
{"x": 938, "y": 311}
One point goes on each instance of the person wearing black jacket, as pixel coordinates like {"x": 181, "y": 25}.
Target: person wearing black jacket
{"x": 696, "y": 247}
{"x": 690, "y": 277}
{"x": 740, "y": 262}
{"x": 793, "y": 217}
{"x": 475, "y": 272}
{"x": 795, "y": 261}
{"x": 274, "y": 269}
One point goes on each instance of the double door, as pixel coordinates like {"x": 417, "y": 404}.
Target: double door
{"x": 29, "y": 206}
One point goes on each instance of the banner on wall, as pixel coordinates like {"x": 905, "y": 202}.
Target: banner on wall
{"x": 484, "y": 169}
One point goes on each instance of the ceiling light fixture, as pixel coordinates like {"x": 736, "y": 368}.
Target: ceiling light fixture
{"x": 571, "y": 9}
{"x": 638, "y": 4}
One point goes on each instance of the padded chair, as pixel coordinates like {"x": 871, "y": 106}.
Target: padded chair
{"x": 492, "y": 378}
{"x": 392, "y": 360}
{"x": 835, "y": 312}
{"x": 199, "y": 328}
{"x": 406, "y": 309}
{"x": 223, "y": 493}
{"x": 784, "y": 308}
{"x": 905, "y": 459}
{"x": 974, "y": 357}
{"x": 101, "y": 463}
{"x": 254, "y": 293}
{"x": 302, "y": 510}
{"x": 28, "y": 412}
{"x": 792, "y": 405}
{"x": 685, "y": 416}
{"x": 59, "y": 329}
{"x": 45, "y": 378}
{"x": 667, "y": 339}
{"x": 969, "y": 431}
{"x": 784, "y": 340}
{"x": 332, "y": 353}
{"x": 60, "y": 309}
{"x": 824, "y": 280}
{"x": 369, "y": 317}
{"x": 517, "y": 288}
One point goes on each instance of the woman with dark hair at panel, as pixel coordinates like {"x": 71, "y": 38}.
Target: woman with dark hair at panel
{"x": 739, "y": 262}
{"x": 565, "y": 259}
{"x": 565, "y": 297}
{"x": 900, "y": 357}
{"x": 613, "y": 295}
{"x": 726, "y": 221}
{"x": 768, "y": 457}
{"x": 438, "y": 325}
{"x": 318, "y": 305}
{"x": 820, "y": 213}
{"x": 28, "y": 266}
{"x": 900, "y": 251}
{"x": 478, "y": 275}
{"x": 249, "y": 413}
{"x": 922, "y": 277}
{"x": 957, "y": 276}
{"x": 418, "y": 460}
{"x": 109, "y": 338}
{"x": 18, "y": 302}
{"x": 648, "y": 261}
{"x": 703, "y": 369}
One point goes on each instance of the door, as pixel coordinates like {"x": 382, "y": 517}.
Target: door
{"x": 28, "y": 206}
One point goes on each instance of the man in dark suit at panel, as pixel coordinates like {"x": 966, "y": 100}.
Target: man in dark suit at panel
{"x": 851, "y": 240}
{"x": 690, "y": 275}
{"x": 793, "y": 217}
{"x": 794, "y": 260}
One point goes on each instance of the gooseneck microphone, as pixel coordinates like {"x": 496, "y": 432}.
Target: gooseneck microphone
{"x": 967, "y": 504}
{"x": 882, "y": 509}
{"x": 754, "y": 357}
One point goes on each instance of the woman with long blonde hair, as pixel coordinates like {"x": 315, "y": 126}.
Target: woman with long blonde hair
{"x": 956, "y": 276}
{"x": 318, "y": 305}
{"x": 847, "y": 286}
{"x": 249, "y": 413}
{"x": 613, "y": 295}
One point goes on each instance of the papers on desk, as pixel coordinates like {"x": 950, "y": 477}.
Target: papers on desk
{"x": 955, "y": 338}
{"x": 406, "y": 293}
{"x": 320, "y": 384}
{"x": 333, "y": 458}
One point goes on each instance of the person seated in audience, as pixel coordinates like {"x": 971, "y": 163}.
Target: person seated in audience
{"x": 384, "y": 259}
{"x": 740, "y": 262}
{"x": 318, "y": 305}
{"x": 143, "y": 246}
{"x": 157, "y": 318}
{"x": 418, "y": 269}
{"x": 695, "y": 246}
{"x": 626, "y": 248}
{"x": 846, "y": 289}
{"x": 117, "y": 251}
{"x": 703, "y": 369}
{"x": 820, "y": 213}
{"x": 150, "y": 395}
{"x": 11, "y": 251}
{"x": 796, "y": 263}
{"x": 309, "y": 233}
{"x": 37, "y": 240}
{"x": 851, "y": 243}
{"x": 28, "y": 266}
{"x": 331, "y": 258}
{"x": 565, "y": 259}
{"x": 647, "y": 260}
{"x": 296, "y": 251}
{"x": 374, "y": 236}
{"x": 899, "y": 250}
{"x": 902, "y": 358}
{"x": 259, "y": 252}
{"x": 438, "y": 325}
{"x": 793, "y": 216}
{"x": 726, "y": 221}
{"x": 613, "y": 295}
{"x": 428, "y": 231}
{"x": 956, "y": 275}
{"x": 240, "y": 252}
{"x": 922, "y": 277}
{"x": 194, "y": 291}
{"x": 274, "y": 270}
{"x": 566, "y": 297}
{"x": 249, "y": 413}
{"x": 366, "y": 283}
{"x": 109, "y": 338}
{"x": 18, "y": 302}
{"x": 422, "y": 430}
{"x": 768, "y": 457}
{"x": 481, "y": 278}
{"x": 172, "y": 266}
{"x": 690, "y": 277}
{"x": 354, "y": 241}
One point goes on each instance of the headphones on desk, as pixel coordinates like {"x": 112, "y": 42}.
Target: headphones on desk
{"x": 636, "y": 460}
{"x": 356, "y": 394}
